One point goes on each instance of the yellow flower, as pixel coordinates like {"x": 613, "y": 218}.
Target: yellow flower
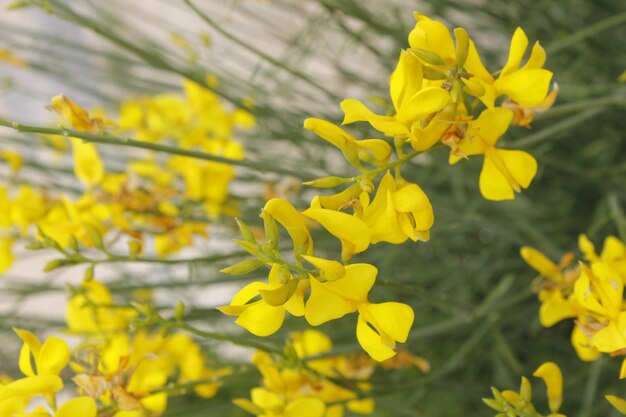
{"x": 413, "y": 102}
{"x": 390, "y": 322}
{"x": 613, "y": 253}
{"x": 504, "y": 171}
{"x": 529, "y": 84}
{"x": 92, "y": 311}
{"x": 88, "y": 166}
{"x": 49, "y": 359}
{"x": 600, "y": 291}
{"x": 265, "y": 316}
{"x": 76, "y": 116}
{"x": 398, "y": 212}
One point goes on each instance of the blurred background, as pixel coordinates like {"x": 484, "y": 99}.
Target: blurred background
{"x": 476, "y": 316}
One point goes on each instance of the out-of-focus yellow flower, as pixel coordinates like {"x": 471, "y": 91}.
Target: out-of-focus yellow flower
{"x": 14, "y": 159}
{"x": 88, "y": 166}
{"x": 613, "y": 253}
{"x": 10, "y": 58}
{"x": 76, "y": 116}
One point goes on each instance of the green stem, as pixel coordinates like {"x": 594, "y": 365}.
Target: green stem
{"x": 590, "y": 397}
{"x": 128, "y": 142}
{"x": 582, "y": 105}
{"x": 576, "y": 37}
{"x": 236, "y": 340}
{"x": 563, "y": 125}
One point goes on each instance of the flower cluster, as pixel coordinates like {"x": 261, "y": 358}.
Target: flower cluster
{"x": 113, "y": 370}
{"x": 589, "y": 292}
{"x": 141, "y": 200}
{"x": 306, "y": 388}
{"x": 435, "y": 90}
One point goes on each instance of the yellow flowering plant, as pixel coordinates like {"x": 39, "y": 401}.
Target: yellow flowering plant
{"x": 340, "y": 143}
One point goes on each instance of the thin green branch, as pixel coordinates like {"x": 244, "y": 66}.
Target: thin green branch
{"x": 586, "y": 32}
{"x": 128, "y": 142}
{"x": 559, "y": 127}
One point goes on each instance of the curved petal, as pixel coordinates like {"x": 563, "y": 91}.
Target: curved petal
{"x": 528, "y": 87}
{"x": 81, "y": 406}
{"x": 355, "y": 111}
{"x": 53, "y": 356}
{"x": 371, "y": 342}
{"x": 325, "y": 304}
{"x": 493, "y": 185}
{"x": 261, "y": 319}
{"x": 519, "y": 43}
{"x": 394, "y": 319}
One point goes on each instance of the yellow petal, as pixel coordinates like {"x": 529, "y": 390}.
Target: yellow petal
{"x": 617, "y": 402}
{"x": 474, "y": 65}
{"x": 88, "y": 166}
{"x": 433, "y": 36}
{"x": 613, "y": 250}
{"x": 355, "y": 111}
{"x": 261, "y": 319}
{"x": 551, "y": 375}
{"x": 493, "y": 185}
{"x": 6, "y": 255}
{"x": 537, "y": 57}
{"x": 340, "y": 200}
{"x": 329, "y": 132}
{"x": 53, "y": 356}
{"x": 305, "y": 407}
{"x": 295, "y": 305}
{"x": 377, "y": 148}
{"x": 555, "y": 309}
{"x": 31, "y": 386}
{"x": 519, "y": 43}
{"x": 324, "y": 304}
{"x": 347, "y": 228}
{"x": 426, "y": 101}
{"x": 528, "y": 87}
{"x": 490, "y": 125}
{"x": 540, "y": 263}
{"x": 278, "y": 296}
{"x": 406, "y": 80}
{"x": 81, "y": 406}
{"x": 293, "y": 221}
{"x": 517, "y": 168}
{"x": 394, "y": 319}
{"x": 425, "y": 138}
{"x": 265, "y": 399}
{"x": 247, "y": 293}
{"x": 585, "y": 351}
{"x": 331, "y": 270}
{"x": 371, "y": 342}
